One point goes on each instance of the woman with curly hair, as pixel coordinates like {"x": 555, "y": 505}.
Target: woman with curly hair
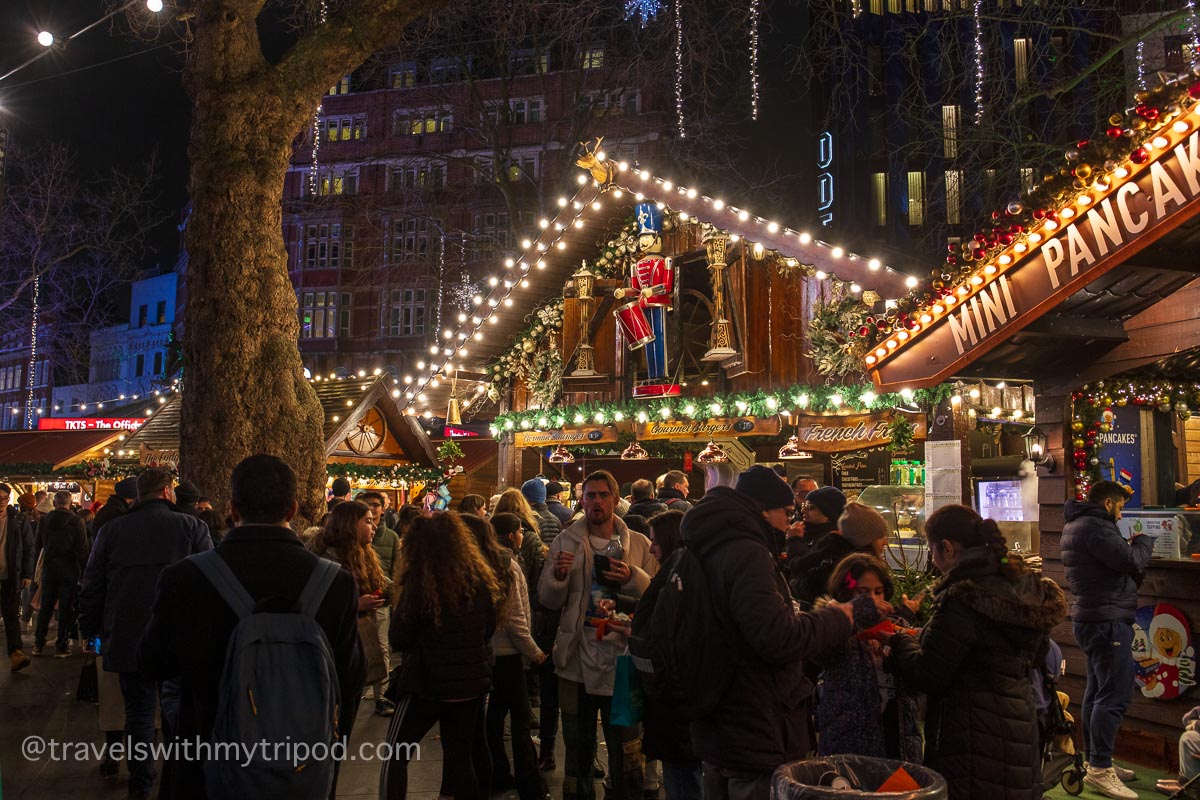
{"x": 443, "y": 620}
{"x": 346, "y": 539}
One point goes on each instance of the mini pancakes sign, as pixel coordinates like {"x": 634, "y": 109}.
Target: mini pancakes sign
{"x": 1098, "y": 237}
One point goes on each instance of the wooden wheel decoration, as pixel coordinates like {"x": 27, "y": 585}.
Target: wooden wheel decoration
{"x": 368, "y": 433}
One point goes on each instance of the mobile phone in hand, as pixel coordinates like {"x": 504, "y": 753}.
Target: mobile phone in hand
{"x": 602, "y": 564}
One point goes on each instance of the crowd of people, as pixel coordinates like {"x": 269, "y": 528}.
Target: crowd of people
{"x": 511, "y": 613}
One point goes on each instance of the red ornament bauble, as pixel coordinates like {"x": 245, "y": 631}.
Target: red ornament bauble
{"x": 1039, "y": 213}
{"x": 1115, "y": 131}
{"x": 1194, "y": 91}
{"x": 1150, "y": 113}
{"x": 980, "y": 236}
{"x": 1014, "y": 229}
{"x": 1139, "y": 156}
{"x": 864, "y": 330}
{"x": 1083, "y": 143}
{"x": 1006, "y": 239}
{"x": 952, "y": 260}
{"x": 995, "y": 215}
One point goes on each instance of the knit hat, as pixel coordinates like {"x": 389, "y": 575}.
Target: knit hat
{"x": 860, "y": 525}
{"x": 766, "y": 487}
{"x": 829, "y": 501}
{"x": 187, "y": 493}
{"x": 534, "y": 490}
{"x": 46, "y": 506}
{"x": 126, "y": 489}
{"x": 27, "y": 502}
{"x": 340, "y": 488}
{"x": 505, "y": 524}
{"x": 554, "y": 487}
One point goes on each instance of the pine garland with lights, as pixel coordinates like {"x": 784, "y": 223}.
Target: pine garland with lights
{"x": 89, "y": 469}
{"x": 392, "y": 474}
{"x": 837, "y": 338}
{"x": 1089, "y": 165}
{"x": 1089, "y": 403}
{"x": 760, "y": 403}
{"x": 521, "y": 360}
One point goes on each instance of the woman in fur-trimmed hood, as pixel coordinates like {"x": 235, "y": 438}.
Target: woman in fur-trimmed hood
{"x": 991, "y": 618}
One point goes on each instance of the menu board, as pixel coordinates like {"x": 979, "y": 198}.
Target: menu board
{"x": 1163, "y": 527}
{"x": 858, "y": 469}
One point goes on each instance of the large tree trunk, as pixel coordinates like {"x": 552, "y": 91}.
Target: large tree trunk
{"x": 244, "y": 385}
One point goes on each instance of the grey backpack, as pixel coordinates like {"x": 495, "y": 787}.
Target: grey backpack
{"x": 280, "y": 686}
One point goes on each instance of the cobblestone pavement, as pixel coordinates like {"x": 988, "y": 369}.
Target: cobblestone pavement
{"x": 40, "y": 701}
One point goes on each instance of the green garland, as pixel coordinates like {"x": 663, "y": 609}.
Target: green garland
{"x": 449, "y": 451}
{"x": 392, "y": 474}
{"x": 89, "y": 469}
{"x": 759, "y": 403}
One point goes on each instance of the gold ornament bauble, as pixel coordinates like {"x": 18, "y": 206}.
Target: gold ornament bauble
{"x": 1122, "y": 402}
{"x": 1078, "y": 443}
{"x": 1077, "y": 426}
{"x": 1105, "y": 427}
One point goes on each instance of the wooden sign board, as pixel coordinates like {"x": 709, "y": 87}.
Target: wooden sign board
{"x": 1134, "y": 215}
{"x": 840, "y": 434}
{"x": 721, "y": 427}
{"x": 594, "y": 434}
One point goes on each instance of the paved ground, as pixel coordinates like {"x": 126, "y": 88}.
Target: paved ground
{"x": 40, "y": 701}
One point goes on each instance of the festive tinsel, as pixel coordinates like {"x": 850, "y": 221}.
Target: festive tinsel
{"x": 1089, "y": 164}
{"x": 1089, "y": 403}
{"x": 798, "y": 399}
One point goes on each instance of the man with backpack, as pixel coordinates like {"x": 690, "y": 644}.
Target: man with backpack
{"x": 295, "y": 671}
{"x": 127, "y": 558}
{"x": 752, "y": 714}
{"x": 674, "y": 491}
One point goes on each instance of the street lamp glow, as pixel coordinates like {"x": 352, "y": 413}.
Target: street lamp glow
{"x": 154, "y": 5}
{"x": 45, "y": 38}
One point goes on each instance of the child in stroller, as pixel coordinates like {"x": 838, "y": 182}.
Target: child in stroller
{"x": 1060, "y": 762}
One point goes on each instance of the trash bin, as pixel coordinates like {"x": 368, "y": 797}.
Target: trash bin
{"x": 854, "y": 776}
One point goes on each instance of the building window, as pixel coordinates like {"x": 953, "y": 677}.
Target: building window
{"x": 529, "y": 62}
{"x": 592, "y": 58}
{"x": 336, "y": 180}
{"x": 418, "y": 175}
{"x": 402, "y": 76}
{"x": 328, "y": 246}
{"x": 343, "y": 129}
{"x": 447, "y": 70}
{"x": 876, "y": 6}
{"x": 411, "y": 238}
{"x": 406, "y": 312}
{"x": 319, "y": 315}
{"x": 1179, "y": 52}
{"x": 611, "y": 103}
{"x": 950, "y": 119}
{"x": 143, "y": 313}
{"x": 416, "y": 122}
{"x": 139, "y": 368}
{"x": 879, "y": 198}
{"x": 1021, "y": 61}
{"x": 160, "y": 312}
{"x": 158, "y": 364}
{"x": 953, "y": 197}
{"x": 1027, "y": 179}
{"x": 875, "y": 66}
{"x": 916, "y": 198}
{"x": 341, "y": 87}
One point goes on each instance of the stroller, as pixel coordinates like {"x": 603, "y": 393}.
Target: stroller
{"x": 1061, "y": 763}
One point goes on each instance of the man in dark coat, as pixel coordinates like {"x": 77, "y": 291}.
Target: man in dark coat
{"x": 554, "y": 491}
{"x": 644, "y": 503}
{"x": 123, "y": 496}
{"x": 62, "y": 539}
{"x": 1104, "y": 572}
{"x": 190, "y": 624}
{"x": 861, "y": 529}
{"x": 118, "y": 587}
{"x": 16, "y": 572}
{"x": 674, "y": 491}
{"x": 549, "y": 527}
{"x": 762, "y": 720}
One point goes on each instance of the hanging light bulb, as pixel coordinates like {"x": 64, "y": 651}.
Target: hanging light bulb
{"x": 712, "y": 454}
{"x": 635, "y": 452}
{"x": 561, "y": 455}
{"x": 791, "y": 450}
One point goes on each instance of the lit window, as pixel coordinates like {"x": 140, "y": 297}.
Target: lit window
{"x": 953, "y": 197}
{"x": 592, "y": 58}
{"x": 402, "y": 76}
{"x": 406, "y": 312}
{"x": 879, "y": 198}
{"x": 1021, "y": 49}
{"x": 319, "y": 314}
{"x": 950, "y": 119}
{"x": 341, "y": 87}
{"x": 328, "y": 246}
{"x": 916, "y": 198}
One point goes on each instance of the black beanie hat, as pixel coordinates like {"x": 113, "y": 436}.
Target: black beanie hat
{"x": 766, "y": 487}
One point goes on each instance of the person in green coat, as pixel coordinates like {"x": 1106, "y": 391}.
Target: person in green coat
{"x": 387, "y": 546}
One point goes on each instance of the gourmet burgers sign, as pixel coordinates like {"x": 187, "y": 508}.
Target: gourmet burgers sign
{"x": 1097, "y": 238}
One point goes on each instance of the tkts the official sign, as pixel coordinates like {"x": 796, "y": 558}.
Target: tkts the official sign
{"x": 1128, "y": 219}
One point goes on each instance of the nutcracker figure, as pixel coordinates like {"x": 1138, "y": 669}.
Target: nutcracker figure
{"x": 643, "y": 319}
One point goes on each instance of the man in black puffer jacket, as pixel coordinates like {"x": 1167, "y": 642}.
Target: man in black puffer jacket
{"x": 762, "y": 719}
{"x": 1104, "y": 572}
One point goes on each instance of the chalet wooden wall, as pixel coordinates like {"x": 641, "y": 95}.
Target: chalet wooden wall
{"x": 1151, "y": 727}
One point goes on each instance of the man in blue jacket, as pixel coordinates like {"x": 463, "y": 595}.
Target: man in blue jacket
{"x": 1104, "y": 572}
{"x": 118, "y": 591}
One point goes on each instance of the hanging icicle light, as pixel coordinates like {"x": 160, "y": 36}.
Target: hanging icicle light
{"x": 754, "y": 15}
{"x": 679, "y": 70}
{"x": 978, "y": 13}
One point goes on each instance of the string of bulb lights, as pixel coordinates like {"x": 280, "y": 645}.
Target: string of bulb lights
{"x": 591, "y": 196}
{"x": 98, "y": 405}
{"x": 48, "y": 40}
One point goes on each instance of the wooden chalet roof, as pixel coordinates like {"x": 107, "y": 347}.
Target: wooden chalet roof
{"x": 57, "y": 448}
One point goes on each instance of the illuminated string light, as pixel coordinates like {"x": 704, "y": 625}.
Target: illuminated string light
{"x": 679, "y": 70}
{"x": 1141, "y": 64}
{"x": 643, "y": 10}
{"x": 316, "y": 149}
{"x": 33, "y": 332}
{"x": 754, "y": 15}
{"x": 978, "y": 12}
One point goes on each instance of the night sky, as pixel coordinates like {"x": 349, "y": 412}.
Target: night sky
{"x": 113, "y": 99}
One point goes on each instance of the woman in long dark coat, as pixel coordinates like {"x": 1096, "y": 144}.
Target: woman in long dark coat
{"x": 991, "y": 619}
